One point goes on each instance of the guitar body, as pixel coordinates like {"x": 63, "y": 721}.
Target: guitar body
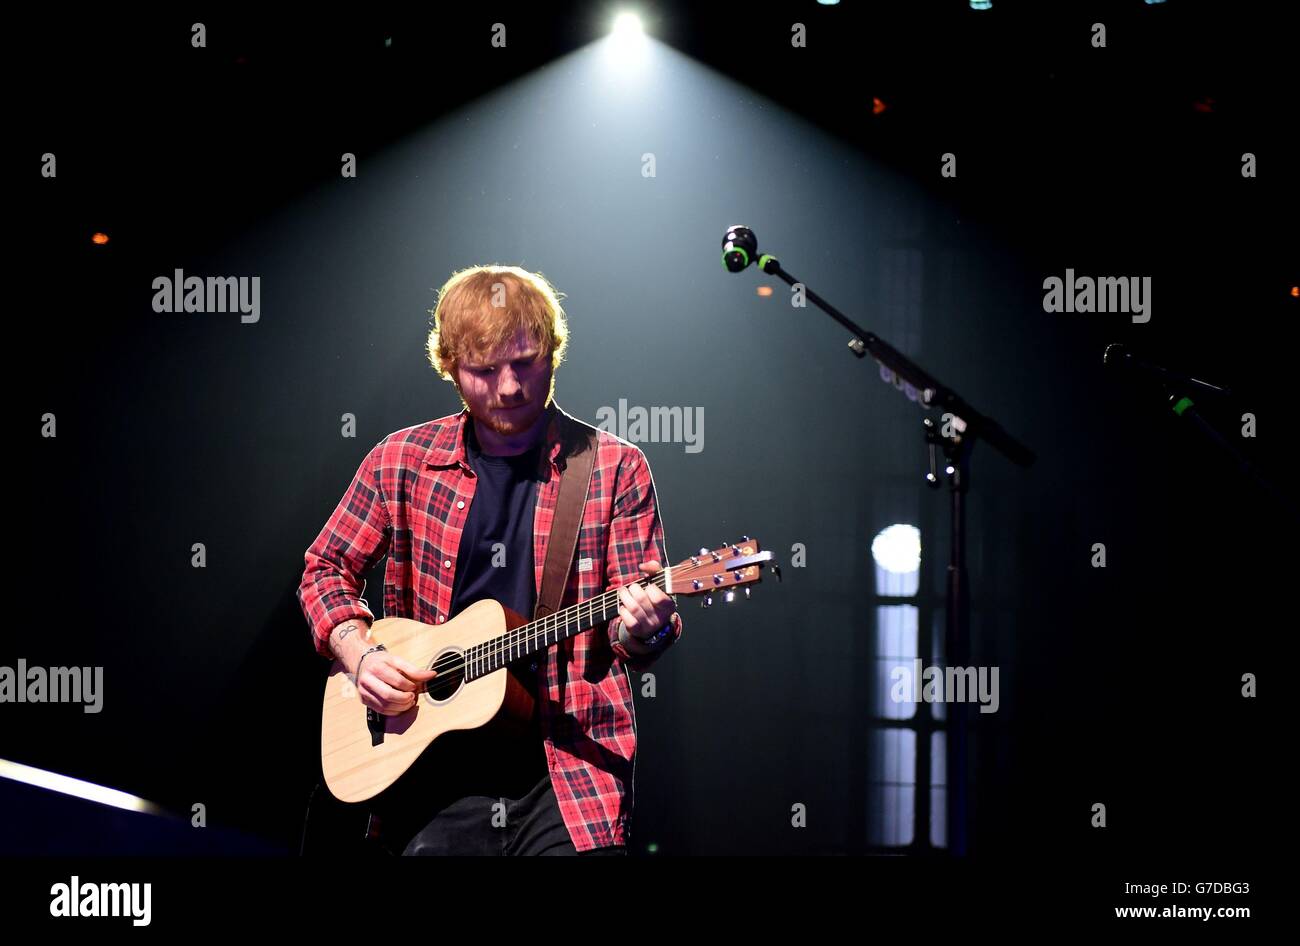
{"x": 364, "y": 753}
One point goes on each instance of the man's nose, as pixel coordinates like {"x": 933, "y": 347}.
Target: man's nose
{"x": 508, "y": 386}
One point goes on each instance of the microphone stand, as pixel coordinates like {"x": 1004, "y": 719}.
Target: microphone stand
{"x": 1179, "y": 390}
{"x": 962, "y": 426}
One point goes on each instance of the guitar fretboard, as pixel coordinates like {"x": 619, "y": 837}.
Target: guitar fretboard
{"x": 529, "y": 638}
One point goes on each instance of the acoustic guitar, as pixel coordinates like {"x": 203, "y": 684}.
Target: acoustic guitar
{"x": 363, "y": 751}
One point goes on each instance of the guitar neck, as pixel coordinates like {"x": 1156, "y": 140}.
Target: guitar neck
{"x": 537, "y": 635}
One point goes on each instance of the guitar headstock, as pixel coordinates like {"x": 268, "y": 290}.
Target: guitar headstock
{"x": 721, "y": 570}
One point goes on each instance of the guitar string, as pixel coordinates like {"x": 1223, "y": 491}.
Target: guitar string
{"x": 510, "y": 641}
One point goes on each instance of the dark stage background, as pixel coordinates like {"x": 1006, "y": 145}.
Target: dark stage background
{"x": 1119, "y": 685}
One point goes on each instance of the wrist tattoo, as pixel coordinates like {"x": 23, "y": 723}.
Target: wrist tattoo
{"x": 345, "y": 630}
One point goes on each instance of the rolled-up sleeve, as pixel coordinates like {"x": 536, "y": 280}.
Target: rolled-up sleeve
{"x": 636, "y": 534}
{"x": 355, "y": 537}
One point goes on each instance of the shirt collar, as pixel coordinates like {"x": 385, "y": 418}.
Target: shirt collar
{"x": 448, "y": 447}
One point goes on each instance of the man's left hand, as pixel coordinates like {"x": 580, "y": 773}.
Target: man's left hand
{"x": 645, "y": 610}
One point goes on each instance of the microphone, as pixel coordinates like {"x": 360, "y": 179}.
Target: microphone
{"x": 739, "y": 248}
{"x": 1119, "y": 358}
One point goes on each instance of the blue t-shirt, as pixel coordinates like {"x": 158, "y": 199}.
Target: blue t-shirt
{"x": 495, "y": 559}
{"x": 489, "y": 762}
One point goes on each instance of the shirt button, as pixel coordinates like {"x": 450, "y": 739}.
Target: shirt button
{"x": 460, "y": 504}
{"x": 447, "y": 564}
{"x": 441, "y": 618}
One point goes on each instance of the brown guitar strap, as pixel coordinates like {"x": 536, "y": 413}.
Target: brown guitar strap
{"x": 563, "y": 540}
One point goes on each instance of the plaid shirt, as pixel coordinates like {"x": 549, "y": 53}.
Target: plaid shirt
{"x": 410, "y": 499}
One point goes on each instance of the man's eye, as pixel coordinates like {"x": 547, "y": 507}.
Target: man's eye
{"x": 524, "y": 365}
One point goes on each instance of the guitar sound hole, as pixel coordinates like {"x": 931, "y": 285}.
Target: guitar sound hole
{"x": 451, "y": 674}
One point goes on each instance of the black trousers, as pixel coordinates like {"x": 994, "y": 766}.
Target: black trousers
{"x": 485, "y": 792}
{"x": 479, "y": 825}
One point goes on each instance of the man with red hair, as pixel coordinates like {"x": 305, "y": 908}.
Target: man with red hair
{"x": 463, "y": 507}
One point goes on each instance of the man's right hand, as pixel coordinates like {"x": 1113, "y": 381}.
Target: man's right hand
{"x": 389, "y": 684}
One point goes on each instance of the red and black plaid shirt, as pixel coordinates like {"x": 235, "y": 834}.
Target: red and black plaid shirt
{"x": 410, "y": 499}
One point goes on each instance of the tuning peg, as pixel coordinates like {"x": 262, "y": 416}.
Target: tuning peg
{"x": 776, "y": 571}
{"x": 707, "y": 602}
{"x": 704, "y": 551}
{"x": 730, "y": 596}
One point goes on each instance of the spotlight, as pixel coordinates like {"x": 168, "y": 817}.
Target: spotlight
{"x": 627, "y": 28}
{"x": 897, "y": 549}
{"x": 627, "y": 39}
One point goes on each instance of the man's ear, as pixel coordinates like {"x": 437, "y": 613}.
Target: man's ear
{"x": 456, "y": 384}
